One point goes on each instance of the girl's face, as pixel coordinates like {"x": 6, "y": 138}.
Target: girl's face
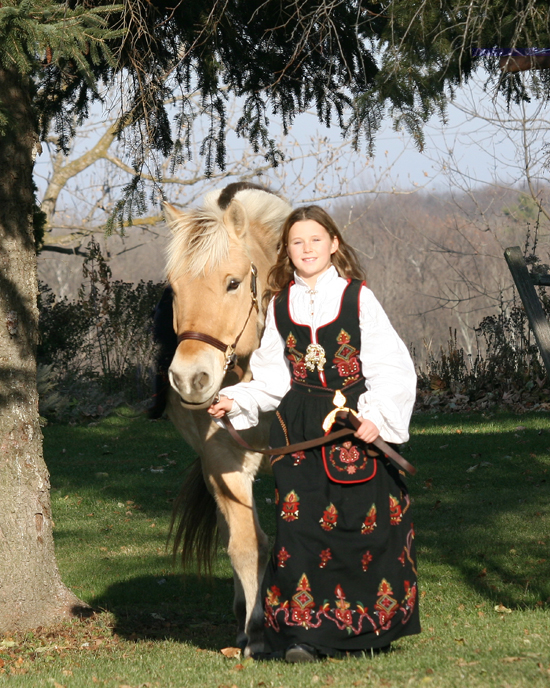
{"x": 310, "y": 249}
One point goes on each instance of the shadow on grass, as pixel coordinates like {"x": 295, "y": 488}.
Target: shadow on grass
{"x": 481, "y": 512}
{"x": 482, "y": 505}
{"x": 185, "y": 609}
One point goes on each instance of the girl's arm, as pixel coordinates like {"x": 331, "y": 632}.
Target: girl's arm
{"x": 389, "y": 371}
{"x": 270, "y": 381}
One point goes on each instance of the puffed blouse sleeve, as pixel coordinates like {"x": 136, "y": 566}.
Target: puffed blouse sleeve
{"x": 270, "y": 379}
{"x": 390, "y": 378}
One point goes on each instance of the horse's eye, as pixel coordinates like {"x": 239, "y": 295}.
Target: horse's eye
{"x": 233, "y": 284}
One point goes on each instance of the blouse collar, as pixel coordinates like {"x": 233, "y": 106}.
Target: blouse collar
{"x": 328, "y": 278}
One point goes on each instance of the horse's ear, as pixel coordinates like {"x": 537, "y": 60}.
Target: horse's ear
{"x": 171, "y": 214}
{"x": 236, "y": 218}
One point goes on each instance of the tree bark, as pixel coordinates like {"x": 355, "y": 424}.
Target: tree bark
{"x": 31, "y": 591}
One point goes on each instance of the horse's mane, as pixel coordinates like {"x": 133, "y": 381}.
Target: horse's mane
{"x": 200, "y": 237}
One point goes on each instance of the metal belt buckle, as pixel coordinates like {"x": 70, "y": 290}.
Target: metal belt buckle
{"x": 339, "y": 401}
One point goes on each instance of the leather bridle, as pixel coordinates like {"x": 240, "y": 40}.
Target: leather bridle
{"x": 228, "y": 349}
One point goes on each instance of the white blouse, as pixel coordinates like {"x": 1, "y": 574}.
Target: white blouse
{"x": 390, "y": 378}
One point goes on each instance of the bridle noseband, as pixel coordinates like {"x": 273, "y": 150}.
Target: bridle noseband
{"x": 228, "y": 349}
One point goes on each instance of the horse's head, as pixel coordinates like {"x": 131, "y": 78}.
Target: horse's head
{"x": 211, "y": 263}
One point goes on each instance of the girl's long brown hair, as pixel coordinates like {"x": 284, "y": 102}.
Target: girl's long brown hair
{"x": 344, "y": 259}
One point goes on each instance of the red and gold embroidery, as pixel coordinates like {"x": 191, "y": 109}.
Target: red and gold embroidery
{"x": 346, "y": 358}
{"x": 396, "y": 513}
{"x": 302, "y": 603}
{"x": 326, "y": 556}
{"x": 410, "y": 600}
{"x": 342, "y": 611}
{"x": 282, "y": 557}
{"x": 300, "y": 609}
{"x": 273, "y": 595}
{"x": 329, "y": 518}
{"x": 369, "y": 524}
{"x": 291, "y": 507}
{"x": 298, "y": 457}
{"x": 348, "y": 456}
{"x": 406, "y": 554}
{"x": 276, "y": 496}
{"x": 296, "y": 358}
{"x": 386, "y": 605}
{"x": 366, "y": 560}
{"x": 291, "y": 341}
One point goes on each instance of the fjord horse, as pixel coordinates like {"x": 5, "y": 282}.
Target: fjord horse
{"x": 218, "y": 261}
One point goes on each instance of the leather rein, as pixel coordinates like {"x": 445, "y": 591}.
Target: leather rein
{"x": 228, "y": 349}
{"x": 279, "y": 452}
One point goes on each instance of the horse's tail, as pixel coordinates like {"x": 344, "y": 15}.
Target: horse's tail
{"x": 194, "y": 513}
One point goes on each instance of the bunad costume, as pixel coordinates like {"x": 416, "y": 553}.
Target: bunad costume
{"x": 342, "y": 576}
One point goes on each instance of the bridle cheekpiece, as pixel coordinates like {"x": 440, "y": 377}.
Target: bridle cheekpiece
{"x": 229, "y": 350}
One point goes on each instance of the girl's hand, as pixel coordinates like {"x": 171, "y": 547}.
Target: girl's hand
{"x": 221, "y": 407}
{"x": 367, "y": 431}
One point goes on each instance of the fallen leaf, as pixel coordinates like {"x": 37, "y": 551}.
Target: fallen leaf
{"x": 437, "y": 504}
{"x": 472, "y": 468}
{"x": 459, "y": 432}
{"x": 231, "y": 652}
{"x": 509, "y": 660}
{"x": 502, "y": 609}
{"x": 482, "y": 573}
{"x": 238, "y": 667}
{"x": 462, "y": 663}
{"x": 519, "y": 427}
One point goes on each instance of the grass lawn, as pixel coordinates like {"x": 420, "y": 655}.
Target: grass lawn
{"x": 482, "y": 521}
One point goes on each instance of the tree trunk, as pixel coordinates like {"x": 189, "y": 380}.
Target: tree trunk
{"x": 31, "y": 591}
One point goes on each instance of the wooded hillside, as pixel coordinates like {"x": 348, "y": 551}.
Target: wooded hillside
{"x": 434, "y": 260}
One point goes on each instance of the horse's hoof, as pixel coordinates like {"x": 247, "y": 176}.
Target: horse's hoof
{"x": 257, "y": 648}
{"x": 241, "y": 641}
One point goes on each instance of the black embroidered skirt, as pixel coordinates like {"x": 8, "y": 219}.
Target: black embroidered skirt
{"x": 342, "y": 576}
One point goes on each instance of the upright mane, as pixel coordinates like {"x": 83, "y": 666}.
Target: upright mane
{"x": 201, "y": 239}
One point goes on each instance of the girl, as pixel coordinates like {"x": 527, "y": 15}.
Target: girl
{"x": 342, "y": 577}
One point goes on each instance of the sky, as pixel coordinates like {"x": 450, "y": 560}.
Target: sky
{"x": 479, "y": 143}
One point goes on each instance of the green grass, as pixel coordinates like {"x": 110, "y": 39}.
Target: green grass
{"x": 483, "y": 539}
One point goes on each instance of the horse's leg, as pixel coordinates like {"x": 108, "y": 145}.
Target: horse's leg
{"x": 247, "y": 544}
{"x": 239, "y": 602}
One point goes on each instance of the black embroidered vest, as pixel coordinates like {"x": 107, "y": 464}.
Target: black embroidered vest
{"x": 337, "y": 368}
{"x": 340, "y": 339}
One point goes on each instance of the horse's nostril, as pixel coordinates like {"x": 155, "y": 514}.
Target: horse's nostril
{"x": 200, "y": 381}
